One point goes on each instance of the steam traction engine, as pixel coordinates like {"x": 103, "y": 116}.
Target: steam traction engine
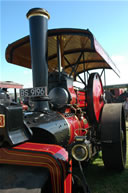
{"x": 68, "y": 124}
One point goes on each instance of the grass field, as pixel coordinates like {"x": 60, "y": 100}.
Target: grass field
{"x": 102, "y": 181}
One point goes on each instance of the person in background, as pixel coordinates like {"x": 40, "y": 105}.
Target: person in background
{"x": 125, "y": 104}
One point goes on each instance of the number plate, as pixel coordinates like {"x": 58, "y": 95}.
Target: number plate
{"x": 33, "y": 92}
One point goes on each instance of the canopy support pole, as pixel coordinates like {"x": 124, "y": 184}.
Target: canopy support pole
{"x": 59, "y": 58}
{"x": 104, "y": 78}
{"x": 15, "y": 95}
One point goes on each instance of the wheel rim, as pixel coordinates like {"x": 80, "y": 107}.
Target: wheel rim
{"x": 113, "y": 136}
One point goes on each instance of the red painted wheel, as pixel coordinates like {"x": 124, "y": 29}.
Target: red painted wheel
{"x": 95, "y": 100}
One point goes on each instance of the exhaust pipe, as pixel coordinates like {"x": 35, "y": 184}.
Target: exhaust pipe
{"x": 38, "y": 24}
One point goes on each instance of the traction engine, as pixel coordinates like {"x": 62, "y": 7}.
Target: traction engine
{"x": 68, "y": 125}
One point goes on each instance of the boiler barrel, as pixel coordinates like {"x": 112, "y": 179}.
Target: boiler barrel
{"x": 55, "y": 128}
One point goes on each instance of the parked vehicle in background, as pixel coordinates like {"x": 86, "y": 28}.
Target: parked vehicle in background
{"x": 116, "y": 93}
{"x": 11, "y": 97}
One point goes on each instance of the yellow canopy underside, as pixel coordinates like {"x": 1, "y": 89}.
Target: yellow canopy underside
{"x": 78, "y": 48}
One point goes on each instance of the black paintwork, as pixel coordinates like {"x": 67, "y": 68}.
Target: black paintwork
{"x": 56, "y": 79}
{"x": 49, "y": 127}
{"x": 14, "y": 131}
{"x": 39, "y": 49}
{"x": 3, "y": 95}
{"x": 113, "y": 136}
{"x": 58, "y": 97}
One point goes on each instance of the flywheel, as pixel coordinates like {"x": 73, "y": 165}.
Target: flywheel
{"x": 95, "y": 99}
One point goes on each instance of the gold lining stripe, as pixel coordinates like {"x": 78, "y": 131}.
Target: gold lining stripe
{"x": 52, "y": 152}
{"x": 36, "y": 164}
{"x": 29, "y": 155}
{"x": 21, "y": 148}
{"x": 38, "y": 144}
{"x": 38, "y": 14}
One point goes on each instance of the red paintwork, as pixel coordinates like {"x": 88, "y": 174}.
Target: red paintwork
{"x": 77, "y": 127}
{"x": 68, "y": 110}
{"x": 41, "y": 155}
{"x": 97, "y": 94}
{"x": 77, "y": 97}
{"x": 2, "y": 120}
{"x": 25, "y": 107}
{"x": 68, "y": 179}
{"x": 73, "y": 94}
{"x": 52, "y": 149}
{"x": 81, "y": 98}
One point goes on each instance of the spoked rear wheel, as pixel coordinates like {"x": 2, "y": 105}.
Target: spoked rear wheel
{"x": 113, "y": 136}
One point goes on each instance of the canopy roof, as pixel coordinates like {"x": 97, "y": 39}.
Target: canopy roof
{"x": 79, "y": 50}
{"x": 10, "y": 84}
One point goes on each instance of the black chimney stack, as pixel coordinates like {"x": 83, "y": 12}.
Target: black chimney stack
{"x": 38, "y": 23}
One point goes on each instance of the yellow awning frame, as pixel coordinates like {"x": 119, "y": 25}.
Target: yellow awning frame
{"x": 80, "y": 52}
